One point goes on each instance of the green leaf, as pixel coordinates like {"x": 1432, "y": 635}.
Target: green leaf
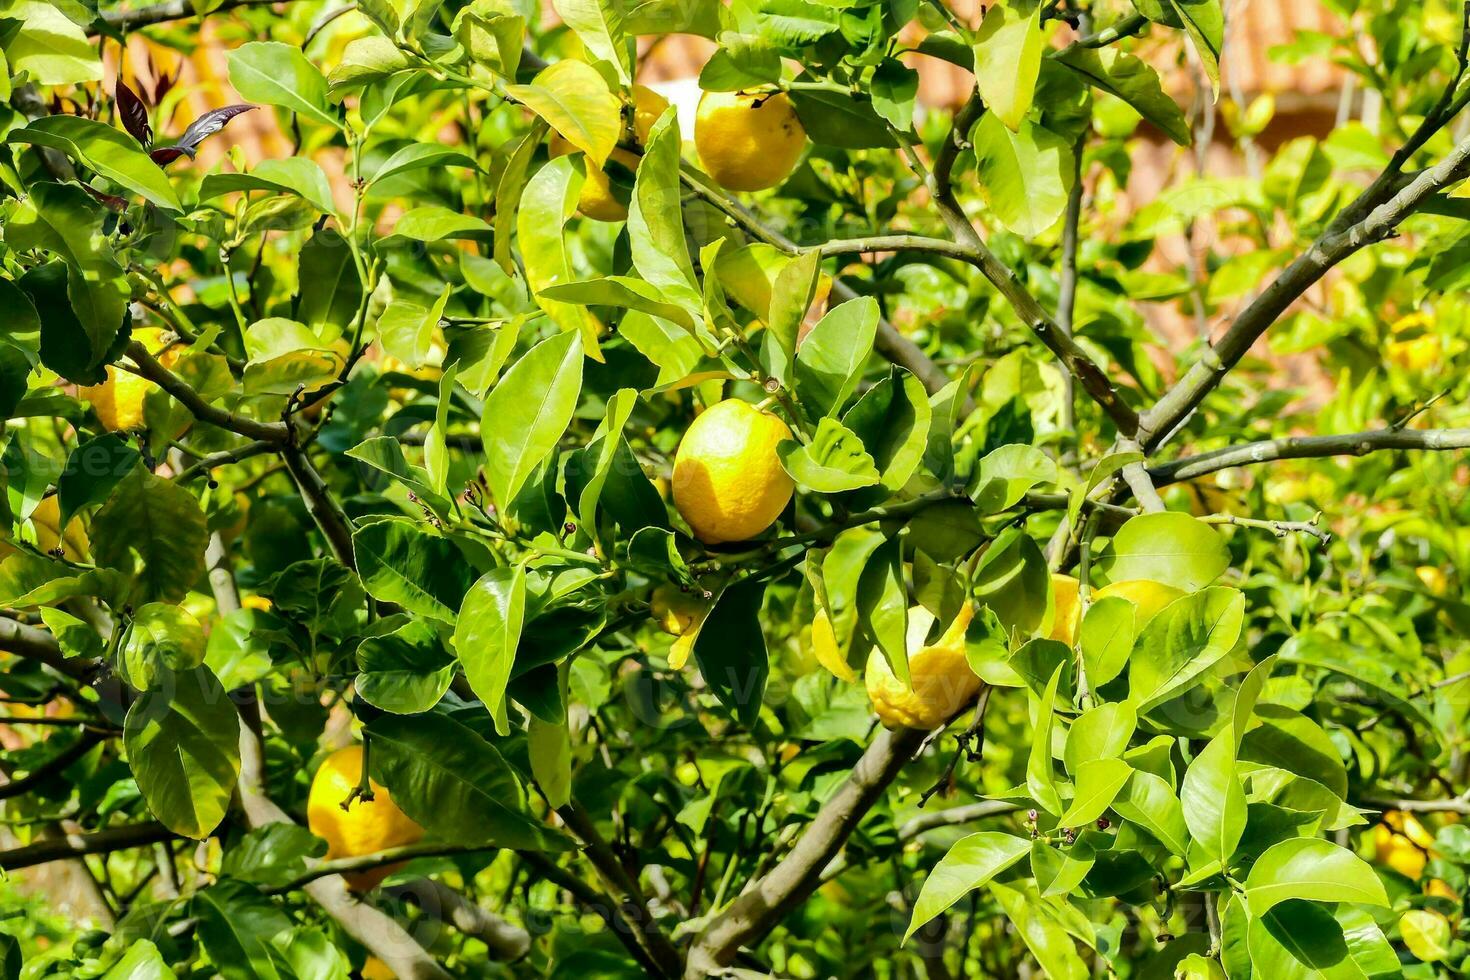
{"x": 1204, "y": 22}
{"x": 454, "y": 783}
{"x": 1132, "y": 80}
{"x": 279, "y": 74}
{"x": 237, "y": 926}
{"x": 49, "y": 47}
{"x": 508, "y": 191}
{"x": 406, "y": 330}
{"x": 385, "y": 454}
{"x": 487, "y": 633}
{"x": 603, "y": 451}
{"x": 624, "y": 292}
{"x": 1172, "y": 548}
{"x": 549, "y": 745}
{"x": 1150, "y": 803}
{"x": 1099, "y": 782}
{"x": 1043, "y": 932}
{"x": 1106, "y": 638}
{"x": 366, "y": 59}
{"x": 731, "y": 650}
{"x": 548, "y": 201}
{"x": 322, "y": 594}
{"x": 1026, "y": 175}
{"x": 1039, "y": 778}
{"x": 599, "y": 26}
{"x": 110, "y": 152}
{"x": 293, "y": 175}
{"x": 832, "y": 462}
{"x": 183, "y": 744}
{"x": 1102, "y": 732}
{"x": 1005, "y": 475}
{"x": 894, "y": 89}
{"x": 655, "y": 217}
{"x": 1008, "y": 48}
{"x": 527, "y": 412}
{"x": 575, "y": 101}
{"x": 1059, "y": 870}
{"x": 1012, "y": 578}
{"x": 164, "y": 637}
{"x": 882, "y": 605}
{"x": 829, "y": 362}
{"x": 401, "y": 562}
{"x": 141, "y": 962}
{"x": 1214, "y": 799}
{"x": 152, "y": 529}
{"x": 436, "y": 223}
{"x": 63, "y": 220}
{"x": 331, "y": 289}
{"x": 421, "y": 156}
{"x": 271, "y": 855}
{"x": 1185, "y": 639}
{"x": 892, "y": 419}
{"x": 970, "y": 863}
{"x": 492, "y": 37}
{"x": 839, "y": 119}
{"x": 93, "y": 469}
{"x": 1300, "y": 941}
{"x": 1313, "y": 869}
{"x": 406, "y": 671}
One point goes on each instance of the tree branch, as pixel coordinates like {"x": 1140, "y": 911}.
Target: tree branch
{"x": 768, "y": 900}
{"x": 634, "y": 906}
{"x": 1334, "y": 246}
{"x": 366, "y": 862}
{"x": 159, "y": 13}
{"x": 34, "y": 643}
{"x": 1307, "y": 447}
{"x": 77, "y": 845}
{"x": 225, "y": 458}
{"x": 504, "y": 940}
{"x": 19, "y": 787}
{"x": 333, "y": 522}
{"x": 148, "y": 367}
{"x": 595, "y": 902}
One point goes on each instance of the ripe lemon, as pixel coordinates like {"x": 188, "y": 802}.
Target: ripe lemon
{"x": 1433, "y": 578}
{"x": 375, "y": 969}
{"x": 118, "y": 401}
{"x": 46, "y": 519}
{"x": 1439, "y": 888}
{"x": 941, "y": 679}
{"x": 748, "y": 141}
{"x": 1148, "y": 597}
{"x": 728, "y": 481}
{"x": 825, "y": 649}
{"x": 1414, "y": 347}
{"x": 598, "y": 201}
{"x": 1068, "y": 609}
{"x": 673, "y": 610}
{"x": 363, "y": 828}
{"x": 1398, "y": 851}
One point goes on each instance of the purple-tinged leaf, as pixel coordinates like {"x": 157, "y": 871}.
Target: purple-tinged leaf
{"x": 134, "y": 114}
{"x": 164, "y": 155}
{"x": 208, "y": 124}
{"x": 110, "y": 201}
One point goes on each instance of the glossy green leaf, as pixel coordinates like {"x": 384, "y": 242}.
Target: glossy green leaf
{"x": 575, "y": 101}
{"x": 487, "y": 632}
{"x": 1008, "y": 48}
{"x": 969, "y": 864}
{"x": 1040, "y": 780}
{"x": 1099, "y": 782}
{"x": 527, "y": 412}
{"x": 183, "y": 743}
{"x": 278, "y": 74}
{"x": 1105, "y": 638}
{"x": 1132, "y": 80}
{"x": 1167, "y": 547}
{"x": 400, "y": 561}
{"x": 1313, "y": 869}
{"x": 152, "y": 529}
{"x": 293, "y": 175}
{"x": 1026, "y": 174}
{"x": 549, "y": 199}
{"x": 110, "y": 152}
{"x": 237, "y": 927}
{"x": 832, "y": 462}
{"x": 1150, "y": 802}
{"x": 829, "y": 362}
{"x": 599, "y": 26}
{"x": 1185, "y": 639}
{"x": 1213, "y": 798}
{"x": 655, "y": 217}
{"x": 731, "y": 650}
{"x": 1102, "y": 732}
{"x": 406, "y": 671}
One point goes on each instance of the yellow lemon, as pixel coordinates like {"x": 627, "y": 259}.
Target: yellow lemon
{"x": 118, "y": 401}
{"x": 46, "y": 519}
{"x": 1398, "y": 852}
{"x": 1148, "y": 597}
{"x": 728, "y": 481}
{"x": 673, "y": 610}
{"x": 1064, "y": 592}
{"x": 1439, "y": 888}
{"x": 363, "y": 828}
{"x": 748, "y": 141}
{"x": 1418, "y": 354}
{"x": 598, "y": 200}
{"x": 825, "y": 649}
{"x": 941, "y": 681}
{"x": 376, "y": 969}
{"x": 1433, "y": 578}
{"x": 257, "y": 602}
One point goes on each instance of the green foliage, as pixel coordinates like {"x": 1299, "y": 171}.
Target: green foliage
{"x": 404, "y": 475}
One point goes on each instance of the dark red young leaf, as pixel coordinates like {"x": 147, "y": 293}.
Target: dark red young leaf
{"x": 162, "y": 82}
{"x": 208, "y": 124}
{"x": 112, "y": 201}
{"x": 164, "y": 155}
{"x": 134, "y": 114}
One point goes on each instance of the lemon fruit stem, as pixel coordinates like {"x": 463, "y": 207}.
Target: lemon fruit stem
{"x": 364, "y": 789}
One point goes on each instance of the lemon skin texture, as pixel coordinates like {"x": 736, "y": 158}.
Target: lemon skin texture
{"x": 597, "y": 200}
{"x": 941, "y": 681}
{"x": 1064, "y": 591}
{"x": 363, "y": 828}
{"x": 728, "y": 481}
{"x": 118, "y": 401}
{"x": 1148, "y": 597}
{"x": 748, "y": 142}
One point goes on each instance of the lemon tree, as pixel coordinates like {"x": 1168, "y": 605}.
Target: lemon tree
{"x": 521, "y": 518}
